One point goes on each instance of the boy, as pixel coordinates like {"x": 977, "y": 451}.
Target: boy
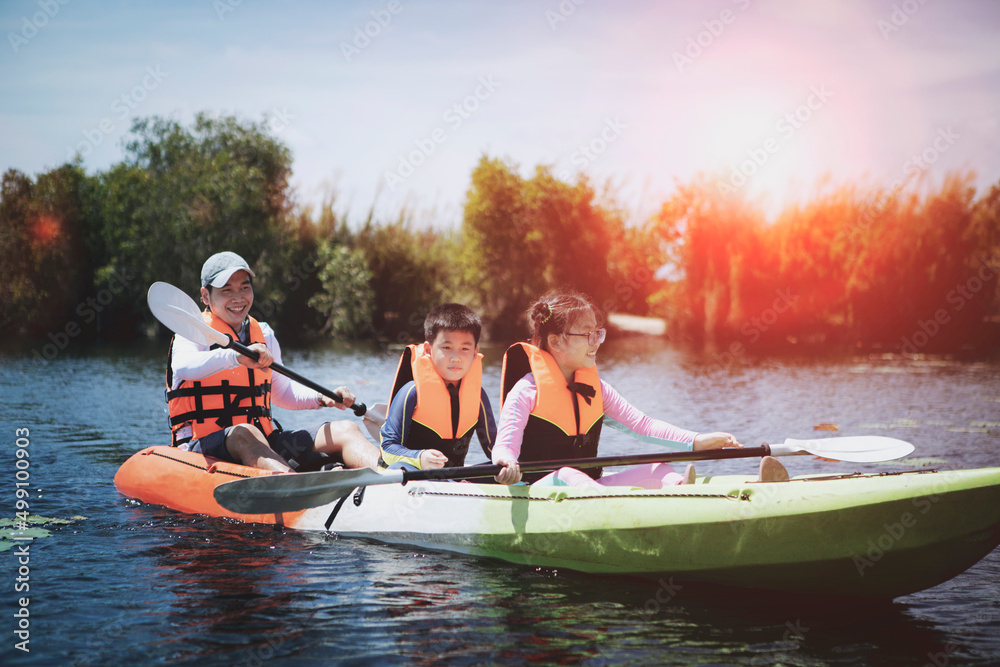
{"x": 437, "y": 396}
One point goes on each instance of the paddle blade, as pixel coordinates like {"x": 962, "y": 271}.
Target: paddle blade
{"x": 374, "y": 418}
{"x": 856, "y": 449}
{"x": 273, "y": 494}
{"x": 179, "y": 313}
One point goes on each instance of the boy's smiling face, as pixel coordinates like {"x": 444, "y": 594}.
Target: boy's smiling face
{"x": 452, "y": 353}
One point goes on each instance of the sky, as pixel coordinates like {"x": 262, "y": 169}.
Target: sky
{"x": 388, "y": 105}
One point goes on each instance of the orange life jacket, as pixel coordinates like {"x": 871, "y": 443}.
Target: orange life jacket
{"x": 237, "y": 395}
{"x": 564, "y": 424}
{"x": 435, "y": 424}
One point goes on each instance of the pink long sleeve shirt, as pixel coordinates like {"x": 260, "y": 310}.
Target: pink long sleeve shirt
{"x": 521, "y": 401}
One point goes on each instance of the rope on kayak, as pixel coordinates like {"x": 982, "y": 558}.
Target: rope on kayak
{"x": 199, "y": 467}
{"x": 742, "y": 496}
{"x": 859, "y": 475}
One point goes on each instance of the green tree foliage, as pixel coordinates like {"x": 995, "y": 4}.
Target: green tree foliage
{"x": 19, "y": 271}
{"x": 635, "y": 258}
{"x": 297, "y": 266}
{"x": 46, "y": 241}
{"x": 526, "y": 236}
{"x": 984, "y": 236}
{"x": 346, "y": 300}
{"x": 890, "y": 268}
{"x": 718, "y": 255}
{"x": 915, "y": 253}
{"x": 412, "y": 271}
{"x": 917, "y": 272}
{"x": 182, "y": 194}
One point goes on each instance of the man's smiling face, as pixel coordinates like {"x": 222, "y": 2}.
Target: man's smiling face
{"x": 231, "y": 302}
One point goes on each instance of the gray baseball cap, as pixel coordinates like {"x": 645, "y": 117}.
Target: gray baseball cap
{"x": 219, "y": 268}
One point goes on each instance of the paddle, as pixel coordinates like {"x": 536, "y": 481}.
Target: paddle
{"x": 374, "y": 426}
{"x": 292, "y": 492}
{"x": 179, "y": 313}
{"x": 856, "y": 449}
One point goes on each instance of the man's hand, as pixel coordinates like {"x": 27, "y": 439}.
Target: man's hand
{"x": 263, "y": 361}
{"x": 345, "y": 394}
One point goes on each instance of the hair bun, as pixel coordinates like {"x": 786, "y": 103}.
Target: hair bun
{"x": 541, "y": 312}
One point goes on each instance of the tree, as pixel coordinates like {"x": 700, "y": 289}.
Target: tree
{"x": 983, "y": 235}
{"x": 842, "y": 268}
{"x": 346, "y": 300}
{"x": 182, "y": 194}
{"x": 721, "y": 267}
{"x": 412, "y": 271}
{"x": 46, "y": 242}
{"x": 524, "y": 237}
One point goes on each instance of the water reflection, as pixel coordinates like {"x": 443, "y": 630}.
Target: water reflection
{"x": 136, "y": 584}
{"x": 228, "y": 584}
{"x": 439, "y": 607}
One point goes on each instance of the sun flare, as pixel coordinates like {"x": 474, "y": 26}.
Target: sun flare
{"x": 760, "y": 146}
{"x": 46, "y": 229}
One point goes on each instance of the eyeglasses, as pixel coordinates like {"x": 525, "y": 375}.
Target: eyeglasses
{"x": 595, "y": 337}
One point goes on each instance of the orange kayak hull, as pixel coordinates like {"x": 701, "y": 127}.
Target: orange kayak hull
{"x": 186, "y": 481}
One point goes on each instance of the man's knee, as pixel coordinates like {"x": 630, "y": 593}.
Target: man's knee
{"x": 341, "y": 430}
{"x": 242, "y": 436}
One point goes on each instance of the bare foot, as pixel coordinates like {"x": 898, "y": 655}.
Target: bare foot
{"x": 688, "y": 475}
{"x": 771, "y": 470}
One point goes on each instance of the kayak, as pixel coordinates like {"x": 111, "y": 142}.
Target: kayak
{"x": 876, "y": 536}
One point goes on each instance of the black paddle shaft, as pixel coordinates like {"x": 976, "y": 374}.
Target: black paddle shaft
{"x": 473, "y": 472}
{"x": 359, "y": 408}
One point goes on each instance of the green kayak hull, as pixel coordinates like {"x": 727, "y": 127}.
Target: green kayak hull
{"x": 854, "y": 536}
{"x": 858, "y": 535}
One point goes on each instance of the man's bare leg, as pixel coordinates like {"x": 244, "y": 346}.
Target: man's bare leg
{"x": 344, "y": 440}
{"x": 248, "y": 445}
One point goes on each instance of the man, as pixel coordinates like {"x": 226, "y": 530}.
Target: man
{"x": 220, "y": 400}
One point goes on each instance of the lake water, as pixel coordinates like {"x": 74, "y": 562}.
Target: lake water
{"x": 137, "y": 584}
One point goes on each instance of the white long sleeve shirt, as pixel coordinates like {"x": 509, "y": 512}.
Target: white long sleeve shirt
{"x": 191, "y": 362}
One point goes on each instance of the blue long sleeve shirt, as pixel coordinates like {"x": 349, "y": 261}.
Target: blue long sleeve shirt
{"x": 397, "y": 424}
